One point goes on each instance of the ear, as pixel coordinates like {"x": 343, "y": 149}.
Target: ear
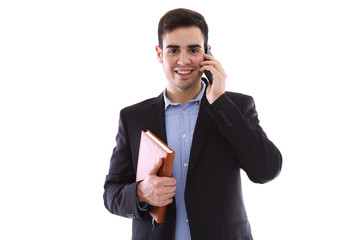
{"x": 159, "y": 53}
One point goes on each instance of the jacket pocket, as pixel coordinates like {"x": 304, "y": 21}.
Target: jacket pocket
{"x": 239, "y": 231}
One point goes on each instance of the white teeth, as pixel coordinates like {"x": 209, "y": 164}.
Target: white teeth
{"x": 183, "y": 72}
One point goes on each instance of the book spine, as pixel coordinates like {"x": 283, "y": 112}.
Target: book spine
{"x": 167, "y": 165}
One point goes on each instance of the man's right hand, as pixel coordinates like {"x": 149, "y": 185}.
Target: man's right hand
{"x": 156, "y": 191}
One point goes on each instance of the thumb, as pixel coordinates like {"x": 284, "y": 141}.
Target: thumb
{"x": 156, "y": 167}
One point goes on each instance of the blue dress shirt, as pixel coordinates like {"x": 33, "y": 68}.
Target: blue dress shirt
{"x": 180, "y": 123}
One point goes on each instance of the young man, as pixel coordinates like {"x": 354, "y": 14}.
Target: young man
{"x": 213, "y": 133}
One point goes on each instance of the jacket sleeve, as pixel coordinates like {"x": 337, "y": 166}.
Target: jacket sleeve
{"x": 120, "y": 196}
{"x": 237, "y": 119}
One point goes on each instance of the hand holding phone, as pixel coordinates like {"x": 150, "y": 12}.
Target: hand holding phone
{"x": 217, "y": 88}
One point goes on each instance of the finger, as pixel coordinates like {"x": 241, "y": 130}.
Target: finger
{"x": 165, "y": 193}
{"x": 160, "y": 182}
{"x": 168, "y": 181}
{"x": 215, "y": 64}
{"x": 209, "y": 57}
{"x": 167, "y": 196}
{"x": 165, "y": 202}
{"x": 212, "y": 69}
{"x": 208, "y": 63}
{"x": 170, "y": 190}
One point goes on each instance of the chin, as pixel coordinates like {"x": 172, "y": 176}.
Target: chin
{"x": 188, "y": 83}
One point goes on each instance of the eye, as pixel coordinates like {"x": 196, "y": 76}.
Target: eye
{"x": 173, "y": 51}
{"x": 194, "y": 50}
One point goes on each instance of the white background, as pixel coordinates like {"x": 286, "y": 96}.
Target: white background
{"x": 68, "y": 67}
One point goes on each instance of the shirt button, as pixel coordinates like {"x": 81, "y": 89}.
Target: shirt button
{"x": 187, "y": 220}
{"x": 186, "y": 164}
{"x": 183, "y": 112}
{"x": 184, "y": 136}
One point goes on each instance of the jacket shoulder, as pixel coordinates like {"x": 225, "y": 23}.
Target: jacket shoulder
{"x": 138, "y": 105}
{"x": 239, "y": 96}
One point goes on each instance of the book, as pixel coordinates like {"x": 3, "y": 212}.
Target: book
{"x": 150, "y": 151}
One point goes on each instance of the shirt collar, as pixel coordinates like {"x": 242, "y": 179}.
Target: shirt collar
{"x": 197, "y": 99}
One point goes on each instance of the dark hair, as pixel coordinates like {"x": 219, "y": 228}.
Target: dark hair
{"x": 181, "y": 17}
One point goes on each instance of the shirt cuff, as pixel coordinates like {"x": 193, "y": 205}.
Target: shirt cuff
{"x": 144, "y": 207}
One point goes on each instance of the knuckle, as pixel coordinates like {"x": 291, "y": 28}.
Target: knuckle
{"x": 157, "y": 183}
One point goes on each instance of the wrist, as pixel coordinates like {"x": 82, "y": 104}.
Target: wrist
{"x": 139, "y": 193}
{"x": 212, "y": 98}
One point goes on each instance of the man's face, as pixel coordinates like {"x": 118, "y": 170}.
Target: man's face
{"x": 183, "y": 50}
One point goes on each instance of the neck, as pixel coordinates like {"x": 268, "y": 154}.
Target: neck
{"x": 177, "y": 95}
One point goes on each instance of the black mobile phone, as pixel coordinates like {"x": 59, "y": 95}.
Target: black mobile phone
{"x": 208, "y": 74}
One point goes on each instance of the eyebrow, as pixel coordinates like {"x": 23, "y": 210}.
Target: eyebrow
{"x": 189, "y": 46}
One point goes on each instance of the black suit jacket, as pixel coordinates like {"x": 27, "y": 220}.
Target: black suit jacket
{"x": 227, "y": 137}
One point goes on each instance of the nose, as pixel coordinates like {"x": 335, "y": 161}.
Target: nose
{"x": 184, "y": 59}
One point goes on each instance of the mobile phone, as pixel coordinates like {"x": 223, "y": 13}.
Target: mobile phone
{"x": 208, "y": 74}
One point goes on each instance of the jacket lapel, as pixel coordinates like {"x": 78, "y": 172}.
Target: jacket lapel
{"x": 156, "y": 120}
{"x": 201, "y": 129}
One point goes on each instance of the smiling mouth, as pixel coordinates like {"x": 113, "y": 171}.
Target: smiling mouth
{"x": 184, "y": 72}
